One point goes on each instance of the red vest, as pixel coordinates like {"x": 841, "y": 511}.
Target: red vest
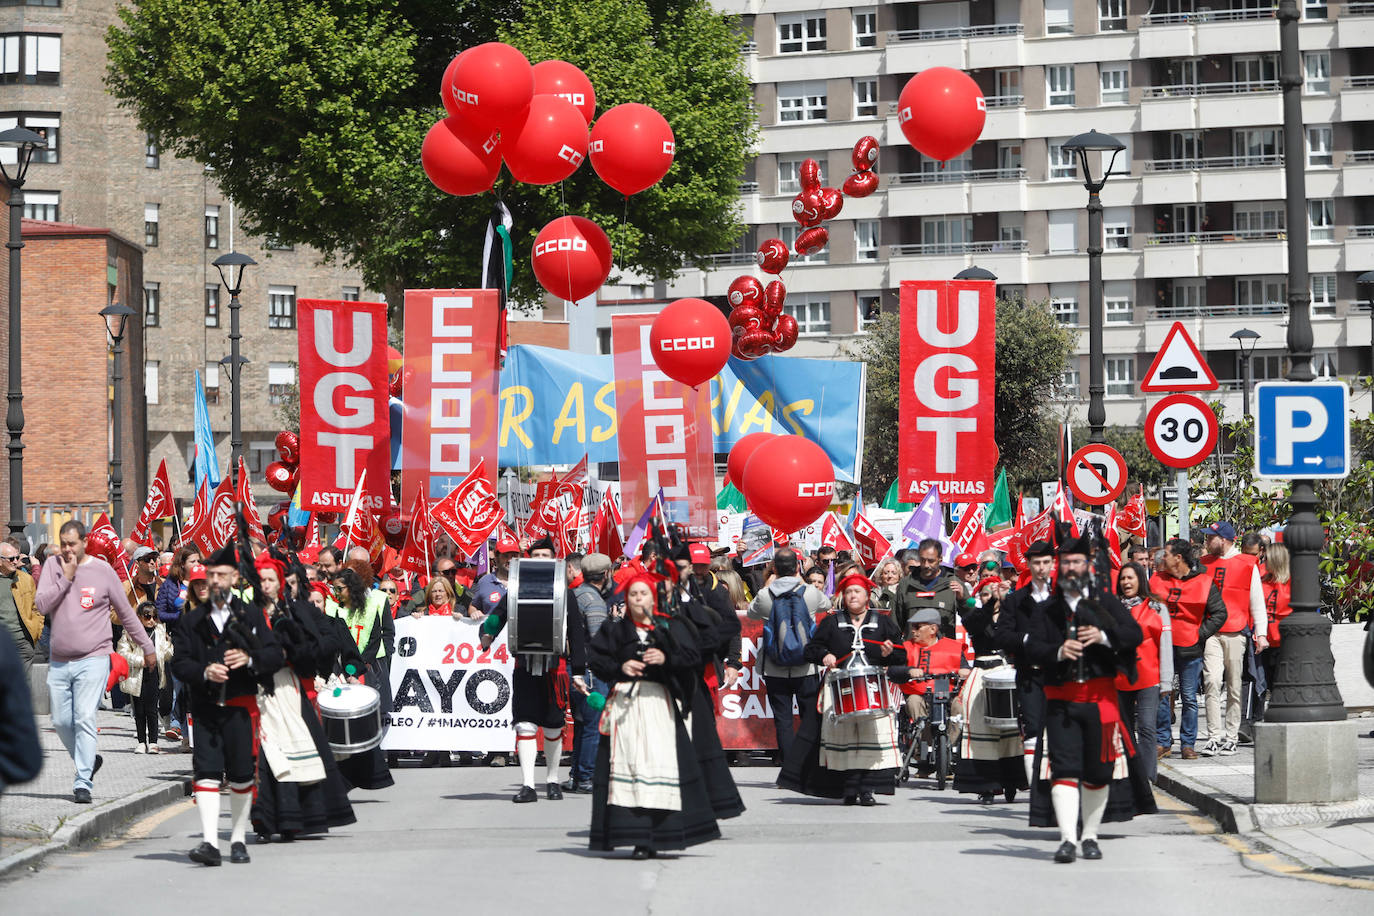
{"x": 1233, "y": 576}
{"x": 1186, "y": 600}
{"x": 1147, "y": 655}
{"x": 1276, "y": 596}
{"x": 943, "y": 657}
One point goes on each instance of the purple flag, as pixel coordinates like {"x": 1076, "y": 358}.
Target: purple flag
{"x": 830, "y": 581}
{"x": 928, "y": 521}
{"x": 641, "y": 528}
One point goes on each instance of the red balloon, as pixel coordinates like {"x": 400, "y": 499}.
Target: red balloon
{"x": 809, "y": 174}
{"x": 774, "y": 295}
{"x": 773, "y": 256}
{"x": 446, "y": 86}
{"x": 861, "y": 184}
{"x": 571, "y": 257}
{"x": 791, "y": 481}
{"x": 941, "y": 111}
{"x": 560, "y": 78}
{"x": 326, "y": 518}
{"x": 289, "y": 447}
{"x": 865, "y": 155}
{"x": 746, "y": 318}
{"x": 279, "y": 477}
{"x": 807, "y": 208}
{"x": 460, "y": 159}
{"x": 393, "y": 529}
{"x": 632, "y": 147}
{"x": 395, "y": 386}
{"x": 100, "y": 544}
{"x": 832, "y": 201}
{"x": 549, "y": 144}
{"x": 745, "y": 291}
{"x": 740, "y": 454}
{"x": 787, "y": 329}
{"x": 492, "y": 85}
{"x": 690, "y": 341}
{"x": 755, "y": 343}
{"x": 812, "y": 240}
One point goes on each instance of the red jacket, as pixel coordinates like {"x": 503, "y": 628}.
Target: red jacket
{"x": 1276, "y": 595}
{"x": 1147, "y": 655}
{"x": 944, "y": 656}
{"x": 1234, "y": 575}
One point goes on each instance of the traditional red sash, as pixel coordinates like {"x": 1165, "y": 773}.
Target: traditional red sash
{"x": 1101, "y": 691}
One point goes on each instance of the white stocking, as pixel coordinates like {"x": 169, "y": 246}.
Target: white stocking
{"x": 525, "y": 751}
{"x": 1094, "y": 805}
{"x": 240, "y": 806}
{"x": 1064, "y": 797}
{"x": 1029, "y": 746}
{"x": 207, "y": 804}
{"x": 553, "y": 752}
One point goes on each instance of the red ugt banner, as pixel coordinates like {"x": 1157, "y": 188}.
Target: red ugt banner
{"x": 948, "y": 378}
{"x": 450, "y": 388}
{"x": 345, "y": 424}
{"x": 665, "y": 433}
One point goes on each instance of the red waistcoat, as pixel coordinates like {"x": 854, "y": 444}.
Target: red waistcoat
{"x": 1186, "y": 600}
{"x": 1233, "y": 576}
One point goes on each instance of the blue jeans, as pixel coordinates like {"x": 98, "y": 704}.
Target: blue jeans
{"x": 586, "y": 730}
{"x": 1163, "y": 726}
{"x": 75, "y": 689}
{"x": 1189, "y": 674}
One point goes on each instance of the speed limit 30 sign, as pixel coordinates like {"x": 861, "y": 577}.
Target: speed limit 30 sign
{"x": 1181, "y": 430}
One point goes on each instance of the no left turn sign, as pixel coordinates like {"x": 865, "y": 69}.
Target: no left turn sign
{"x": 1181, "y": 430}
{"x": 1096, "y": 474}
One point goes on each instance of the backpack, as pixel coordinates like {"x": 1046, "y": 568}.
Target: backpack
{"x": 788, "y": 629}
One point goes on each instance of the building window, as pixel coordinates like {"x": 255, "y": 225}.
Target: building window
{"x": 1059, "y": 79}
{"x": 1116, "y": 228}
{"x": 1119, "y": 310}
{"x": 1116, "y": 84}
{"x": 1063, "y": 232}
{"x": 801, "y": 101}
{"x": 1189, "y": 296}
{"x": 1010, "y": 226}
{"x": 1008, "y": 83}
{"x": 1068, "y": 384}
{"x": 212, "y": 227}
{"x": 1063, "y": 163}
{"x": 1255, "y": 72}
{"x": 811, "y": 311}
{"x": 603, "y": 340}
{"x": 1321, "y": 220}
{"x": 45, "y": 124}
{"x": 44, "y": 205}
{"x": 1009, "y": 155}
{"x": 150, "y": 369}
{"x": 150, "y": 224}
{"x": 1058, "y": 17}
{"x": 212, "y": 383}
{"x": 870, "y": 309}
{"x": 789, "y": 172}
{"x": 1120, "y": 376}
{"x": 1316, "y": 67}
{"x": 1324, "y": 363}
{"x": 152, "y": 159}
{"x": 1257, "y": 146}
{"x": 799, "y": 33}
{"x": 866, "y": 240}
{"x": 865, "y": 98}
{"x": 1261, "y": 292}
{"x": 1111, "y": 15}
{"x": 351, "y": 293}
{"x": 274, "y": 244}
{"x": 152, "y": 305}
{"x": 281, "y": 307}
{"x": 260, "y": 454}
{"x": 212, "y": 305}
{"x": 789, "y": 234}
{"x": 946, "y": 234}
{"x": 31, "y": 59}
{"x": 1065, "y": 311}
{"x": 1314, "y": 9}
{"x": 865, "y": 29}
{"x": 1323, "y": 294}
{"x": 1319, "y": 145}
{"x": 281, "y": 378}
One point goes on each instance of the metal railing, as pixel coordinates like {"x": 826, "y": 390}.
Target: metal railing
{"x": 954, "y": 175}
{"x": 1172, "y": 312}
{"x": 958, "y": 32}
{"x": 1360, "y": 232}
{"x": 1360, "y": 155}
{"x": 750, "y": 47}
{"x": 731, "y": 259}
{"x": 1188, "y": 90}
{"x": 1207, "y": 15}
{"x": 1005, "y": 101}
{"x": 938, "y": 248}
{"x": 1211, "y": 238}
{"x": 1357, "y": 9}
{"x": 1261, "y": 161}
{"x": 1359, "y": 82}
{"x": 749, "y": 187}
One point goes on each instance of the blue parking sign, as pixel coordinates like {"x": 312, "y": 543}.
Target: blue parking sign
{"x": 1302, "y": 429}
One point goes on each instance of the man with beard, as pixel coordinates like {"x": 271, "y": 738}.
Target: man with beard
{"x": 927, "y": 584}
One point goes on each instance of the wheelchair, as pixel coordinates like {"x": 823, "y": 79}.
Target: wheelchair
{"x": 925, "y": 744}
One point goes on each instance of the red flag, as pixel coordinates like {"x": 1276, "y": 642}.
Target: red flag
{"x": 102, "y": 529}
{"x": 360, "y": 528}
{"x": 1132, "y": 517}
{"x": 200, "y": 513}
{"x": 969, "y": 527}
{"x": 471, "y": 511}
{"x": 574, "y": 483}
{"x": 312, "y": 532}
{"x": 544, "y": 515}
{"x": 159, "y": 505}
{"x": 606, "y": 531}
{"x": 1061, "y": 510}
{"x": 833, "y": 534}
{"x": 215, "y": 527}
{"x": 418, "y": 551}
{"x": 1113, "y": 539}
{"x": 872, "y": 546}
{"x": 244, "y": 497}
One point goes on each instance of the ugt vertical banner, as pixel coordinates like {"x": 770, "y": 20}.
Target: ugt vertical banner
{"x": 665, "y": 436}
{"x": 345, "y": 425}
{"x": 451, "y": 388}
{"x": 948, "y": 378}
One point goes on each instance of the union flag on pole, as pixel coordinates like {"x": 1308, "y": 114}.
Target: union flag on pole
{"x": 1113, "y": 539}
{"x": 470, "y": 512}
{"x": 1132, "y": 517}
{"x": 834, "y": 535}
{"x": 102, "y": 528}
{"x": 1061, "y": 510}
{"x": 418, "y": 551}
{"x": 969, "y": 535}
{"x": 158, "y": 506}
{"x": 244, "y": 496}
{"x": 871, "y": 544}
{"x": 544, "y": 514}
{"x": 200, "y": 513}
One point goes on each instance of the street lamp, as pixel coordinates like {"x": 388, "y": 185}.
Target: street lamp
{"x": 116, "y": 318}
{"x": 975, "y": 273}
{"x": 231, "y": 267}
{"x": 1082, "y": 145}
{"x": 25, "y": 143}
{"x": 1365, "y": 279}
{"x": 1247, "y": 339}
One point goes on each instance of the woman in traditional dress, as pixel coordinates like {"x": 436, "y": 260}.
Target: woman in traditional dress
{"x": 853, "y": 757}
{"x": 989, "y": 756}
{"x": 354, "y": 609}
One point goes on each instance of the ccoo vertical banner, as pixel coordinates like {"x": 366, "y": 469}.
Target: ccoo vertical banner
{"x": 451, "y": 388}
{"x": 345, "y": 425}
{"x": 948, "y": 379}
{"x": 665, "y": 436}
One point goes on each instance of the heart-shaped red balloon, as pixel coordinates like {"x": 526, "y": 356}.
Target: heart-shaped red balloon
{"x": 807, "y": 208}
{"x": 745, "y": 291}
{"x": 735, "y": 350}
{"x": 774, "y": 295}
{"x": 786, "y": 328}
{"x": 832, "y": 202}
{"x": 289, "y": 447}
{"x": 755, "y": 343}
{"x": 773, "y": 256}
{"x": 326, "y": 518}
{"x": 811, "y": 241}
{"x": 395, "y": 386}
{"x": 861, "y": 184}
{"x": 279, "y": 477}
{"x": 746, "y": 318}
{"x": 865, "y": 155}
{"x": 809, "y": 174}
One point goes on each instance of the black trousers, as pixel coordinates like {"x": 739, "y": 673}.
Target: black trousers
{"x": 145, "y": 708}
{"x": 223, "y": 743}
{"x": 1074, "y": 731}
{"x": 781, "y": 692}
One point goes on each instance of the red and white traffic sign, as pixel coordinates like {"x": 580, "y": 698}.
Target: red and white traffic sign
{"x": 1096, "y": 474}
{"x": 1181, "y": 430}
{"x": 1178, "y": 366}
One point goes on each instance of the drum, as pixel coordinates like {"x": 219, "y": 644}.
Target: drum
{"x": 352, "y": 718}
{"x": 858, "y": 692}
{"x": 536, "y": 616}
{"x": 999, "y": 697}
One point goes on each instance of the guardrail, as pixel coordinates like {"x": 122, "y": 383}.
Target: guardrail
{"x": 1172, "y": 313}
{"x": 954, "y": 175}
{"x": 939, "y": 248}
{"x": 1358, "y": 82}
{"x": 1188, "y": 90}
{"x": 1264, "y": 161}
{"x": 957, "y": 32}
{"x": 1207, "y": 15}
{"x": 1210, "y": 238}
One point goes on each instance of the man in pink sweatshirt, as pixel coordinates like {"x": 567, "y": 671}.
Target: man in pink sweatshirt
{"x": 77, "y": 592}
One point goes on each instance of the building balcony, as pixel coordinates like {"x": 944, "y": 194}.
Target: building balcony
{"x": 1232, "y": 104}
{"x": 1355, "y": 26}
{"x": 1359, "y": 326}
{"x": 790, "y": 136}
{"x": 1359, "y": 248}
{"x": 1357, "y": 174}
{"x": 1215, "y": 254}
{"x": 945, "y": 259}
{"x": 818, "y": 65}
{"x": 1357, "y": 99}
{"x": 954, "y": 190}
{"x": 964, "y": 48}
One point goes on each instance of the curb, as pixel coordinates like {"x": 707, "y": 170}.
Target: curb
{"x": 97, "y": 824}
{"x": 1249, "y": 817}
{"x": 1232, "y": 818}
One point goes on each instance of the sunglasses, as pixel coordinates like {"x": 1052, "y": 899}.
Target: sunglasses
{"x": 389, "y": 591}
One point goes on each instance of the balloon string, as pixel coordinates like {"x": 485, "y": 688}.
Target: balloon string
{"x": 567, "y": 255}
{"x": 624, "y": 226}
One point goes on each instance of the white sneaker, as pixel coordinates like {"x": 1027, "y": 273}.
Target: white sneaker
{"x": 140, "y": 748}
{"x": 1227, "y": 749}
{"x": 1211, "y": 748}
{"x": 152, "y": 749}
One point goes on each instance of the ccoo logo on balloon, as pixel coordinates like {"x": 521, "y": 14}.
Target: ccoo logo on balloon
{"x": 564, "y": 244}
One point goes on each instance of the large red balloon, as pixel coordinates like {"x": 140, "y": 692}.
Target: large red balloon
{"x": 492, "y": 85}
{"x": 459, "y": 158}
{"x": 549, "y": 144}
{"x": 632, "y": 147}
{"x": 560, "y": 78}
{"x": 790, "y": 482}
{"x": 690, "y": 341}
{"x": 741, "y": 453}
{"x": 571, "y": 257}
{"x": 941, "y": 111}
{"x": 446, "y": 87}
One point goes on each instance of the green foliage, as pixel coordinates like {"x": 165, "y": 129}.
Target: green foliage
{"x": 312, "y": 115}
{"x": 1145, "y": 469}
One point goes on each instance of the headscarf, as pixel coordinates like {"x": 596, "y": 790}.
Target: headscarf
{"x": 264, "y": 561}
{"x": 635, "y": 571}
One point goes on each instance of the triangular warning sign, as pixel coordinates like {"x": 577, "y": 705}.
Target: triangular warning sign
{"x": 1178, "y": 366}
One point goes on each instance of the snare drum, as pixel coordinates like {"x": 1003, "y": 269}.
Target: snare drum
{"x": 999, "y": 697}
{"x": 858, "y": 692}
{"x": 352, "y": 718}
{"x": 536, "y": 614}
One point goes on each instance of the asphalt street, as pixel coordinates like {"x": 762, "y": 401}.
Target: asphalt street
{"x": 451, "y": 838}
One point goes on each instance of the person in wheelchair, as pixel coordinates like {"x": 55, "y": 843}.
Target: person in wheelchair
{"x": 928, "y": 654}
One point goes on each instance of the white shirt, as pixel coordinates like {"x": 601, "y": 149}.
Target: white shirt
{"x": 220, "y": 616}
{"x": 1039, "y": 592}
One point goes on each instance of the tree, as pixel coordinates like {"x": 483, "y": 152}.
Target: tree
{"x": 1033, "y": 351}
{"x": 312, "y": 114}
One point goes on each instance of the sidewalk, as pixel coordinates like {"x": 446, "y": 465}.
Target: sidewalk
{"x": 40, "y": 816}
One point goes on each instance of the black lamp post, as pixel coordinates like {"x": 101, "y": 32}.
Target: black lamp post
{"x": 116, "y": 318}
{"x": 1082, "y": 145}
{"x": 231, "y": 267}
{"x": 25, "y": 143}
{"x": 1247, "y": 340}
{"x": 1365, "y": 279}
{"x": 975, "y": 273}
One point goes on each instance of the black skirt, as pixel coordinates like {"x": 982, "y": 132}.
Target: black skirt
{"x": 294, "y": 808}
{"x": 802, "y": 770}
{"x": 989, "y": 777}
{"x": 715, "y": 769}
{"x": 368, "y": 770}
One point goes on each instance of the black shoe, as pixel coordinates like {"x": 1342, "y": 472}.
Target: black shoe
{"x": 643, "y": 852}
{"x": 1066, "y": 853}
{"x": 585, "y": 787}
{"x": 238, "y": 854}
{"x": 851, "y": 799}
{"x": 81, "y": 796}
{"x": 99, "y": 762}
{"x": 1009, "y": 794}
{"x": 1091, "y": 850}
{"x": 205, "y": 854}
{"x": 986, "y": 798}
{"x": 553, "y": 792}
{"x": 867, "y": 800}
{"x": 570, "y": 786}
{"x": 526, "y": 794}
